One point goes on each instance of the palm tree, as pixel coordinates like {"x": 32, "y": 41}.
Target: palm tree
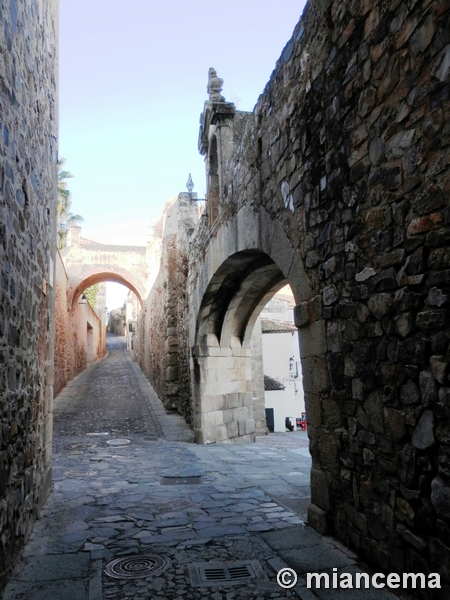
{"x": 65, "y": 218}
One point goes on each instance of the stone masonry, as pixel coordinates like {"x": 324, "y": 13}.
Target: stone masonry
{"x": 162, "y": 342}
{"x": 28, "y": 154}
{"x": 338, "y": 183}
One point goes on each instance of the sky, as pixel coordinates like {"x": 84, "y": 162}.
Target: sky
{"x": 132, "y": 85}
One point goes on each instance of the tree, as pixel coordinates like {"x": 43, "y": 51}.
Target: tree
{"x": 65, "y": 218}
{"x": 91, "y": 294}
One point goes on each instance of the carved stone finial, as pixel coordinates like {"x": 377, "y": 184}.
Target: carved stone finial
{"x": 215, "y": 85}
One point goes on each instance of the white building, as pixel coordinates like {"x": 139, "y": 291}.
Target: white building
{"x": 282, "y": 368}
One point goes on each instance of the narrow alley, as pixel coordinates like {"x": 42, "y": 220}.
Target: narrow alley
{"x": 130, "y": 486}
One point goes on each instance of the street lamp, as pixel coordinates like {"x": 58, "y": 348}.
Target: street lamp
{"x": 190, "y": 189}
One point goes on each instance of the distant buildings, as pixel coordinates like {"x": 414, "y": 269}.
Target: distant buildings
{"x": 283, "y": 388}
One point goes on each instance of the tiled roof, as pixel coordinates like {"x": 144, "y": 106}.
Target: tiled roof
{"x": 272, "y": 385}
{"x": 273, "y": 326}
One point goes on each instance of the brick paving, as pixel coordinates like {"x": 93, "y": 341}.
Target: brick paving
{"x": 236, "y": 502}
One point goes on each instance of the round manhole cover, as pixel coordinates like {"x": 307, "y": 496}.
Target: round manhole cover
{"x": 118, "y": 442}
{"x": 81, "y": 473}
{"x": 135, "y": 567}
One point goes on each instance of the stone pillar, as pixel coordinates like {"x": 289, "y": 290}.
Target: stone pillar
{"x": 224, "y": 397}
{"x": 258, "y": 394}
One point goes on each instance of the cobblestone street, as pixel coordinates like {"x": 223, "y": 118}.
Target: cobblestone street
{"x": 130, "y": 484}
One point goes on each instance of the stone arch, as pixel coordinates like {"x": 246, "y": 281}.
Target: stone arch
{"x": 96, "y": 275}
{"x": 246, "y": 263}
{"x": 235, "y": 295}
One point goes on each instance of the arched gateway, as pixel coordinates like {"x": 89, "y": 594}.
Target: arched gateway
{"x": 246, "y": 262}
{"x": 89, "y": 262}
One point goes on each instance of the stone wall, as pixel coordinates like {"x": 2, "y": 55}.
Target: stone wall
{"x": 348, "y": 151}
{"x": 161, "y": 342}
{"x": 28, "y": 154}
{"x": 116, "y": 322}
{"x": 79, "y": 335}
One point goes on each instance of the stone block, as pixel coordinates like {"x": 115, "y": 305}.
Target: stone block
{"x": 406, "y": 464}
{"x": 240, "y": 414}
{"x": 313, "y": 407}
{"x": 315, "y": 375}
{"x": 436, "y": 297}
{"x": 221, "y": 433}
{"x": 381, "y": 305}
{"x": 216, "y": 417}
{"x": 404, "y": 511}
{"x": 208, "y": 403}
{"x": 409, "y": 393}
{"x": 334, "y": 337}
{"x": 249, "y": 426}
{"x": 227, "y": 416}
{"x": 423, "y": 436}
{"x": 172, "y": 374}
{"x": 395, "y": 423}
{"x": 432, "y": 320}
{"x": 312, "y": 340}
{"x": 317, "y": 519}
{"x": 232, "y": 429}
{"x": 233, "y": 400}
{"x": 440, "y": 497}
{"x": 229, "y": 383}
{"x": 428, "y": 388}
{"x": 330, "y": 295}
{"x": 439, "y": 367}
{"x": 320, "y": 495}
{"x": 308, "y": 311}
{"x": 246, "y": 399}
{"x": 206, "y": 435}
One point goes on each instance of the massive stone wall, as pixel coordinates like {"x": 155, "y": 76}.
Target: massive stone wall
{"x": 28, "y": 154}
{"x": 348, "y": 151}
{"x": 162, "y": 339}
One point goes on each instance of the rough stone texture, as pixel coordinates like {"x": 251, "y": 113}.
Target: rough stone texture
{"x": 162, "y": 344}
{"x": 338, "y": 183}
{"x": 28, "y": 154}
{"x": 74, "y": 345}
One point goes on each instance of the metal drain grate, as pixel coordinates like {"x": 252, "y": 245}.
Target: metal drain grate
{"x": 181, "y": 480}
{"x": 118, "y": 442}
{"x": 81, "y": 473}
{"x": 215, "y": 574}
{"x": 137, "y": 567}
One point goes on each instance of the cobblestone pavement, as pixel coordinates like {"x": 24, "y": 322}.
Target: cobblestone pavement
{"x": 129, "y": 484}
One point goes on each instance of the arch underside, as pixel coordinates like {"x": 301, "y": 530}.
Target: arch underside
{"x": 102, "y": 276}
{"x": 236, "y": 295}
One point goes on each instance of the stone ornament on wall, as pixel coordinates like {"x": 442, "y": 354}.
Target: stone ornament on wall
{"x": 215, "y": 85}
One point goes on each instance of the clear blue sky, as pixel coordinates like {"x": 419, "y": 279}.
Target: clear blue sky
{"x": 133, "y": 79}
{"x": 133, "y": 82}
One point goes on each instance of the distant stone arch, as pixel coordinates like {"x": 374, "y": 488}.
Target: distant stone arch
{"x": 98, "y": 276}
{"x": 88, "y": 262}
